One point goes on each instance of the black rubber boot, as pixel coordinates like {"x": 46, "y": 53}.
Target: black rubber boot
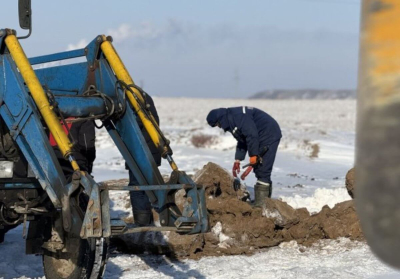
{"x": 141, "y": 208}
{"x": 262, "y": 190}
{"x": 143, "y": 217}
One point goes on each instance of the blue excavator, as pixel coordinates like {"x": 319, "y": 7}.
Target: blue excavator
{"x": 67, "y": 221}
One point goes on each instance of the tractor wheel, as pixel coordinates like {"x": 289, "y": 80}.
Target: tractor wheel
{"x": 2, "y": 234}
{"x": 86, "y": 258}
{"x": 87, "y": 262}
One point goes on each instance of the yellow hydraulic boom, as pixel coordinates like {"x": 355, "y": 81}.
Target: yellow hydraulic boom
{"x": 136, "y": 100}
{"x": 40, "y": 98}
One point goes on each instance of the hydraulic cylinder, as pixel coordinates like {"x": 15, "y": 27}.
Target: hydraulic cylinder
{"x": 40, "y": 98}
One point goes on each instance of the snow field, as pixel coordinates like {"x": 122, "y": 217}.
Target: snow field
{"x": 299, "y": 179}
{"x": 326, "y": 259}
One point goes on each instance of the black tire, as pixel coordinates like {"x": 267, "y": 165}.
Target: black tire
{"x": 70, "y": 266}
{"x": 90, "y": 255}
{"x": 2, "y": 234}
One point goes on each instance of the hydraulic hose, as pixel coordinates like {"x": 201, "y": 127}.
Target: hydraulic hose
{"x": 136, "y": 100}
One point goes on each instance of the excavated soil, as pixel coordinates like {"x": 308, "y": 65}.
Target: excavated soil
{"x": 350, "y": 182}
{"x": 238, "y": 228}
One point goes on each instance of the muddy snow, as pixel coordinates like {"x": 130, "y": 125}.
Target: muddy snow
{"x": 279, "y": 241}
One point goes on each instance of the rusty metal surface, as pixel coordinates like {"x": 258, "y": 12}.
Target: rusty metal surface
{"x": 119, "y": 227}
{"x": 146, "y": 187}
{"x": 378, "y": 129}
{"x": 92, "y": 223}
{"x": 105, "y": 213}
{"x": 149, "y": 229}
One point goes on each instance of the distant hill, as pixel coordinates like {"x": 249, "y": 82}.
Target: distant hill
{"x": 305, "y": 94}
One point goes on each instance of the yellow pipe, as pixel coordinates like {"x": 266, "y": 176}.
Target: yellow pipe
{"x": 122, "y": 74}
{"x": 173, "y": 165}
{"x": 40, "y": 98}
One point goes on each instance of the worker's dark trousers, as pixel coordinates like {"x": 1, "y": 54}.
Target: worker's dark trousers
{"x": 141, "y": 206}
{"x": 263, "y": 171}
{"x": 139, "y": 200}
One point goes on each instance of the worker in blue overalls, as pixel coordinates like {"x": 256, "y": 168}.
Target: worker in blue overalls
{"x": 256, "y": 133}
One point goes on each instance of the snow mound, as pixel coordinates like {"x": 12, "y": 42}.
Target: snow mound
{"x": 217, "y": 230}
{"x": 321, "y": 197}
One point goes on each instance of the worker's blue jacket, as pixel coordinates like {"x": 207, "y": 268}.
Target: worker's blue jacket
{"x": 254, "y": 129}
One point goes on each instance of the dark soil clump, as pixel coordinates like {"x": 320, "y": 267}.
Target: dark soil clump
{"x": 350, "y": 182}
{"x": 238, "y": 228}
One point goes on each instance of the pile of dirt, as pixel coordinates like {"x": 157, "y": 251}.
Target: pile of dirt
{"x": 350, "y": 182}
{"x": 238, "y": 228}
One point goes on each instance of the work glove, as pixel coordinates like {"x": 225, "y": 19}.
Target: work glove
{"x": 253, "y": 162}
{"x": 246, "y": 172}
{"x": 236, "y": 168}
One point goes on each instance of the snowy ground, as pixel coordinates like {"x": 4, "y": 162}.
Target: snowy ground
{"x": 315, "y": 153}
{"x": 300, "y": 180}
{"x": 328, "y": 259}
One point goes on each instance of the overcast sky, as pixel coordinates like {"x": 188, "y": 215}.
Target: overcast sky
{"x": 223, "y": 48}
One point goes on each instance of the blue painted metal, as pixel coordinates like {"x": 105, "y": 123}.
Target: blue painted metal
{"x": 149, "y": 187}
{"x": 21, "y": 116}
{"x": 125, "y": 152}
{"x": 132, "y": 136}
{"x": 20, "y": 122}
{"x": 97, "y": 218}
{"x": 69, "y": 83}
{"x": 128, "y": 138}
{"x": 81, "y": 106}
{"x": 92, "y": 224}
{"x": 93, "y": 53}
{"x": 196, "y": 205}
{"x": 105, "y": 78}
{"x": 130, "y": 133}
{"x": 87, "y": 182}
{"x": 57, "y": 56}
{"x": 16, "y": 185}
{"x": 66, "y": 79}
